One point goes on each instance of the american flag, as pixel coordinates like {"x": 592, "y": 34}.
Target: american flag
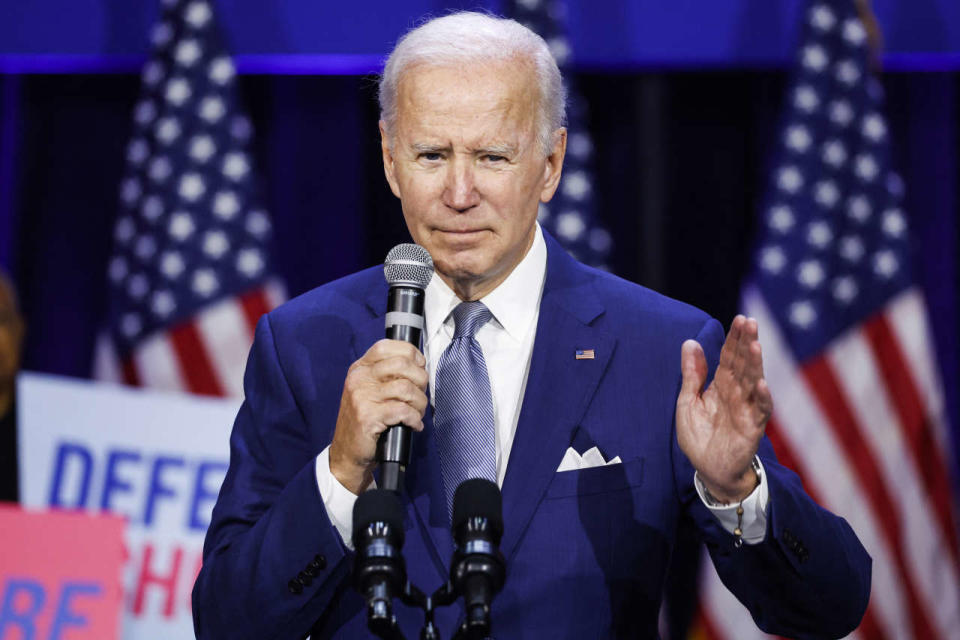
{"x": 571, "y": 215}
{"x": 859, "y": 410}
{"x": 189, "y": 275}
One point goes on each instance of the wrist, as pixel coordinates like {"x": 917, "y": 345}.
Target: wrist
{"x": 354, "y": 477}
{"x": 735, "y": 491}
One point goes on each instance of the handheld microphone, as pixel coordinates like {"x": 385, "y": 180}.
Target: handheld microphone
{"x": 478, "y": 570}
{"x": 408, "y": 269}
{"x": 379, "y": 571}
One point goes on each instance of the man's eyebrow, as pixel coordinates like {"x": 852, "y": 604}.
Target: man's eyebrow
{"x": 420, "y": 147}
{"x": 498, "y": 150}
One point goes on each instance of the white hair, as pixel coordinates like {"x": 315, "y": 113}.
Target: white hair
{"x": 468, "y": 36}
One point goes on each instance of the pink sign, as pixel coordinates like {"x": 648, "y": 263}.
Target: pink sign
{"x": 60, "y": 575}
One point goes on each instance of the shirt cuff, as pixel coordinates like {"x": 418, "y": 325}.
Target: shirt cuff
{"x": 754, "y": 522}
{"x": 337, "y": 499}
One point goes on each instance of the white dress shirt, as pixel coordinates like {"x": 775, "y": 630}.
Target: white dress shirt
{"x": 507, "y": 343}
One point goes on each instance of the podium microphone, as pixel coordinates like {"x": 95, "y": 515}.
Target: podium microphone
{"x": 478, "y": 570}
{"x": 408, "y": 269}
{"x": 379, "y": 572}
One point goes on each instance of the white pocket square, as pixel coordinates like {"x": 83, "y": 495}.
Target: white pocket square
{"x": 573, "y": 461}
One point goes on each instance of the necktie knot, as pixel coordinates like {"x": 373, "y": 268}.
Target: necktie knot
{"x": 468, "y": 317}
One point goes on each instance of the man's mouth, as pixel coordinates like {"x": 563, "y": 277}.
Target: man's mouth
{"x": 461, "y": 231}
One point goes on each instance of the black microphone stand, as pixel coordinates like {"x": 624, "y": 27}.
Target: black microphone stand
{"x": 383, "y": 623}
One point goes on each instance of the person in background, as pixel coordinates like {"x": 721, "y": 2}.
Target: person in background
{"x": 11, "y": 340}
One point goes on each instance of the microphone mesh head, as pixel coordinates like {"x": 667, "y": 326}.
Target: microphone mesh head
{"x": 408, "y": 264}
{"x": 378, "y": 505}
{"x": 478, "y": 497}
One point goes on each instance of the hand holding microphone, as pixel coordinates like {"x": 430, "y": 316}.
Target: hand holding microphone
{"x": 386, "y": 388}
{"x": 408, "y": 270}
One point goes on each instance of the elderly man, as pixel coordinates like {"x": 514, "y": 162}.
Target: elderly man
{"x": 577, "y": 369}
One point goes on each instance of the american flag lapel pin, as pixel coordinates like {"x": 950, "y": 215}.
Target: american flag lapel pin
{"x": 584, "y": 354}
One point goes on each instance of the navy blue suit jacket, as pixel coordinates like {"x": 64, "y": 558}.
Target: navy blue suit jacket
{"x": 587, "y": 551}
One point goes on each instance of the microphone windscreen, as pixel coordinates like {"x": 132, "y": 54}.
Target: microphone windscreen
{"x": 478, "y": 497}
{"x": 378, "y": 505}
{"x": 408, "y": 264}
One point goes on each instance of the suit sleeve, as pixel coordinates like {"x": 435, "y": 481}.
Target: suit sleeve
{"x": 269, "y": 531}
{"x": 810, "y": 576}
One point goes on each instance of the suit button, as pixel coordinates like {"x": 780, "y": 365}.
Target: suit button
{"x": 319, "y": 562}
{"x": 294, "y": 586}
{"x": 304, "y": 578}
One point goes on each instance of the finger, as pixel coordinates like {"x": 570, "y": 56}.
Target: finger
{"x": 386, "y": 348}
{"x": 763, "y": 403}
{"x": 394, "y": 412}
{"x": 753, "y": 372}
{"x": 405, "y": 391}
{"x": 399, "y": 367}
{"x": 729, "y": 348}
{"x": 693, "y": 369}
{"x": 742, "y": 357}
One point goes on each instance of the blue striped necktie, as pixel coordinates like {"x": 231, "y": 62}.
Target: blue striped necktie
{"x": 463, "y": 405}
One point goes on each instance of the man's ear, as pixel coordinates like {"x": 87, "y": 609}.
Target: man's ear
{"x": 388, "y": 163}
{"x": 554, "y": 165}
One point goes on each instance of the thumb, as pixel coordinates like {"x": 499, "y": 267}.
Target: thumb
{"x": 693, "y": 368}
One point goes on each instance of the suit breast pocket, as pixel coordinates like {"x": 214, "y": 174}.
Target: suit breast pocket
{"x": 596, "y": 480}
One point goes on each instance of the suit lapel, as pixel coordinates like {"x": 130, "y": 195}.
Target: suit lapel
{"x": 559, "y": 388}
{"x": 375, "y": 327}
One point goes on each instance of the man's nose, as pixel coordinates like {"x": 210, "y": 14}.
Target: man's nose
{"x": 460, "y": 191}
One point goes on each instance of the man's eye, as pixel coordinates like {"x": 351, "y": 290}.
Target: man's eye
{"x": 492, "y": 157}
{"x": 431, "y": 156}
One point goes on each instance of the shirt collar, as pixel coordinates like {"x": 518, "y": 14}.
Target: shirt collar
{"x": 513, "y": 304}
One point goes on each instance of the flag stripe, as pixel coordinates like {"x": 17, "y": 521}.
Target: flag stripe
{"x": 254, "y": 304}
{"x": 194, "y": 360}
{"x": 860, "y": 383}
{"x": 275, "y": 293}
{"x": 785, "y": 455}
{"x": 825, "y": 386}
{"x": 130, "y": 375}
{"x": 157, "y": 363}
{"x": 917, "y": 430}
{"x": 908, "y": 322}
{"x": 106, "y": 365}
{"x": 224, "y": 332}
{"x": 818, "y": 458}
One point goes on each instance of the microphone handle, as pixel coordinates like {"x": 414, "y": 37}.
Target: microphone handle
{"x": 404, "y": 322}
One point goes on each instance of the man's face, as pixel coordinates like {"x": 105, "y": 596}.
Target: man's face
{"x": 468, "y": 168}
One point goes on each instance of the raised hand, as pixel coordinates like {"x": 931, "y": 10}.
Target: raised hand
{"x": 720, "y": 429}
{"x": 386, "y": 386}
